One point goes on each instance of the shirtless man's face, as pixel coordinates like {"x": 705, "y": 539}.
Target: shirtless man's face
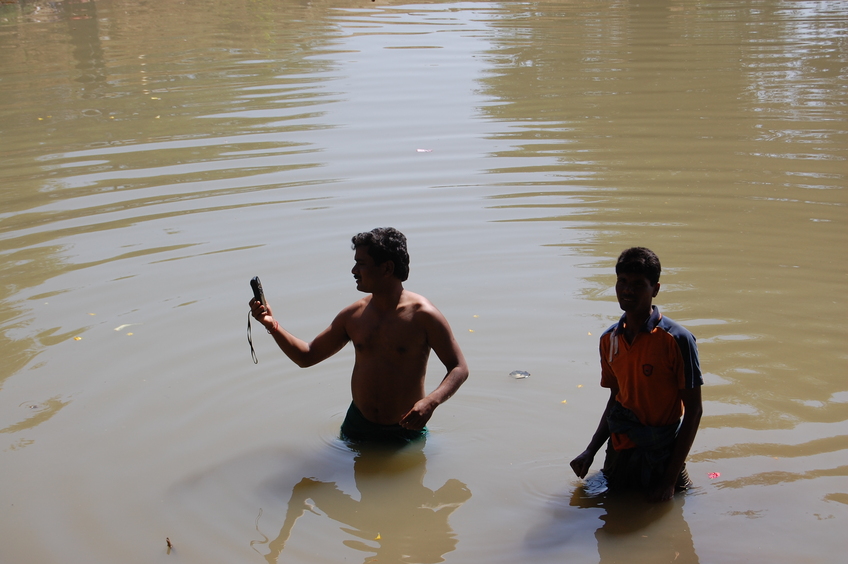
{"x": 367, "y": 274}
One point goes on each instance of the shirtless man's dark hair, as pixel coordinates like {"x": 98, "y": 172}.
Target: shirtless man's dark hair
{"x": 384, "y": 244}
{"x": 639, "y": 260}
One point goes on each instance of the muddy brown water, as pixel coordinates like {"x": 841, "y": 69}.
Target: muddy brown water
{"x": 157, "y": 155}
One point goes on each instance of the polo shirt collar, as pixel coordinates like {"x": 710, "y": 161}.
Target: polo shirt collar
{"x": 650, "y": 324}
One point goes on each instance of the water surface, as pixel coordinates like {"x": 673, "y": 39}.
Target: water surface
{"x": 157, "y": 155}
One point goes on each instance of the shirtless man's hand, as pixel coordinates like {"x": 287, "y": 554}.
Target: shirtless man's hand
{"x": 417, "y": 417}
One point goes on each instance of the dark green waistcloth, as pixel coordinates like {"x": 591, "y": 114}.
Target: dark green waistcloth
{"x": 356, "y": 428}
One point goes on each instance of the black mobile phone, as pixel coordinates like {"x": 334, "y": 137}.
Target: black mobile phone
{"x": 257, "y": 290}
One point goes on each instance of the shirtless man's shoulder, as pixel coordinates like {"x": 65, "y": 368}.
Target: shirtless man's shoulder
{"x": 412, "y": 310}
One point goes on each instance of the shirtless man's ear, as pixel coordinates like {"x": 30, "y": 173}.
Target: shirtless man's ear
{"x": 388, "y": 268}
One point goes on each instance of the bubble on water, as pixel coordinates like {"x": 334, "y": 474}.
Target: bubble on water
{"x": 519, "y": 374}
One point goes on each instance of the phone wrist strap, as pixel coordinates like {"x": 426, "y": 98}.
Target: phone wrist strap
{"x": 250, "y": 341}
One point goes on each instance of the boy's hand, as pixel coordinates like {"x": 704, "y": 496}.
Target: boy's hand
{"x": 581, "y": 464}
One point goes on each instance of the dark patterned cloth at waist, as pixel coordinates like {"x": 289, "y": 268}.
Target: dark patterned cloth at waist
{"x": 640, "y": 467}
{"x": 622, "y": 420}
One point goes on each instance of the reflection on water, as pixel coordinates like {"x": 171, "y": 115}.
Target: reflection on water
{"x": 395, "y": 519}
{"x": 631, "y": 529}
{"x": 157, "y": 155}
{"x": 631, "y": 526}
{"x": 42, "y": 412}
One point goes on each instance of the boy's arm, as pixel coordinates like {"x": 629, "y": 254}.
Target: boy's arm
{"x": 442, "y": 342}
{"x": 584, "y": 460}
{"x": 326, "y": 344}
{"x": 692, "y": 411}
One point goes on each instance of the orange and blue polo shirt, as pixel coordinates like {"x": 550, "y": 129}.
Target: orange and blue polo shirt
{"x": 662, "y": 359}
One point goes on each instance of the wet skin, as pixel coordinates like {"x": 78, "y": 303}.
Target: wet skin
{"x": 392, "y": 331}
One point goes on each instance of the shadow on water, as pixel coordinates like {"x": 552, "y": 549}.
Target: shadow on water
{"x": 632, "y": 530}
{"x": 372, "y": 498}
{"x": 395, "y": 519}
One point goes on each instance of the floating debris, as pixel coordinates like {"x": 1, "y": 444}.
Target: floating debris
{"x": 714, "y": 475}
{"x": 595, "y": 485}
{"x": 519, "y": 374}
{"x": 77, "y": 338}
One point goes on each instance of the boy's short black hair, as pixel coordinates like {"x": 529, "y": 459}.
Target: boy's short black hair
{"x": 639, "y": 260}
{"x": 385, "y": 243}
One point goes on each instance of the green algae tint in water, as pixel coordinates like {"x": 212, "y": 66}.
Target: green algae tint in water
{"x": 157, "y": 156}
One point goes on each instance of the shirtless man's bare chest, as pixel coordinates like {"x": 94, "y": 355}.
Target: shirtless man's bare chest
{"x": 391, "y": 358}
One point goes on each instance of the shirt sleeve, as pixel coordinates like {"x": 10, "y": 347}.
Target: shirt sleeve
{"x": 608, "y": 379}
{"x": 691, "y": 363}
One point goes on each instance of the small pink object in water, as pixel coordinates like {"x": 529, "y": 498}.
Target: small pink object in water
{"x": 425, "y": 150}
{"x": 714, "y": 475}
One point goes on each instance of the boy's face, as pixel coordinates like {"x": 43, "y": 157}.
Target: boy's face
{"x": 635, "y": 292}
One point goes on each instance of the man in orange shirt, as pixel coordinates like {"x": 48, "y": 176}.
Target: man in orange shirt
{"x": 650, "y": 365}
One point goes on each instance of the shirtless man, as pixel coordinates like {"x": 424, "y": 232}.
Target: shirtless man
{"x": 393, "y": 331}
